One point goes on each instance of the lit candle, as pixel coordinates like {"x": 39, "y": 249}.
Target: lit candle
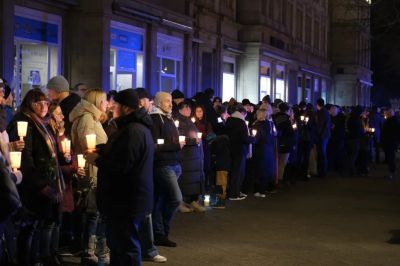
{"x": 275, "y": 132}
{"x": 254, "y": 132}
{"x": 193, "y": 119}
{"x": 176, "y": 123}
{"x": 199, "y": 135}
{"x": 247, "y": 123}
{"x": 302, "y": 118}
{"x": 372, "y": 130}
{"x": 206, "y": 200}
{"x": 66, "y": 146}
{"x": 91, "y": 141}
{"x": 22, "y": 128}
{"x": 81, "y": 161}
{"x": 160, "y": 141}
{"x": 294, "y": 126}
{"x": 182, "y": 139}
{"x": 15, "y": 158}
{"x": 307, "y": 118}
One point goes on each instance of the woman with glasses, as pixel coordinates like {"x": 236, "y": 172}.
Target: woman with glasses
{"x": 41, "y": 190}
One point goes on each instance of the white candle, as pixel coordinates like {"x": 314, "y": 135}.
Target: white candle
{"x": 81, "y": 161}
{"x": 160, "y": 141}
{"x": 182, "y": 139}
{"x": 22, "y": 128}
{"x": 294, "y": 126}
{"x": 247, "y": 123}
{"x": 254, "y": 132}
{"x": 66, "y": 146}
{"x": 307, "y": 118}
{"x": 91, "y": 141}
{"x": 176, "y": 123}
{"x": 206, "y": 200}
{"x": 15, "y": 158}
{"x": 193, "y": 119}
{"x": 199, "y": 135}
{"x": 302, "y": 118}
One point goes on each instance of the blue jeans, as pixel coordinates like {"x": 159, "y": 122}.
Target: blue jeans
{"x": 123, "y": 241}
{"x": 149, "y": 250}
{"x": 167, "y": 197}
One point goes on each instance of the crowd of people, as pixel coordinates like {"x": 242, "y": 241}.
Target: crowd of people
{"x": 114, "y": 203}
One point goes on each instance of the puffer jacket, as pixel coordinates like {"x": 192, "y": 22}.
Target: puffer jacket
{"x": 85, "y": 120}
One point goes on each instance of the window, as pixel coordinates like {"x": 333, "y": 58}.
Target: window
{"x": 126, "y": 56}
{"x": 299, "y": 89}
{"x": 265, "y": 80}
{"x": 228, "y": 81}
{"x": 37, "y": 44}
{"x": 280, "y": 92}
{"x": 299, "y": 25}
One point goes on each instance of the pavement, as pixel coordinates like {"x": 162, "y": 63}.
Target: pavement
{"x": 330, "y": 221}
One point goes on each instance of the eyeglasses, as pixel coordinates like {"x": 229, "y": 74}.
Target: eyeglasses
{"x": 41, "y": 104}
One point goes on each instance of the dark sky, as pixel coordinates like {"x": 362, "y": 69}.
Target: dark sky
{"x": 385, "y": 28}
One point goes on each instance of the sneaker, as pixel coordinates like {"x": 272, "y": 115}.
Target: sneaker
{"x": 164, "y": 241}
{"x": 183, "y": 208}
{"x": 243, "y": 195}
{"x": 237, "y": 198}
{"x": 259, "y": 195}
{"x": 156, "y": 258}
{"x": 219, "y": 204}
{"x": 197, "y": 207}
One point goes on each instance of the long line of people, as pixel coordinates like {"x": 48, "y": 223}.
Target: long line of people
{"x": 154, "y": 158}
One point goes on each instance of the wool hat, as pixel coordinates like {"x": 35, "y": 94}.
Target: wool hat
{"x": 128, "y": 97}
{"x": 142, "y": 93}
{"x": 58, "y": 84}
{"x": 161, "y": 95}
{"x": 177, "y": 94}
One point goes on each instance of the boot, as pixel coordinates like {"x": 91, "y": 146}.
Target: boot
{"x": 89, "y": 257}
{"x": 103, "y": 252}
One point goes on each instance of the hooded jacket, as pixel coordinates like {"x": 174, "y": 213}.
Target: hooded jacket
{"x": 125, "y": 176}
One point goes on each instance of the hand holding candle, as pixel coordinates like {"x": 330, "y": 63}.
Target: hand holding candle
{"x": 294, "y": 126}
{"x": 160, "y": 141}
{"x": 15, "y": 158}
{"x": 182, "y": 139}
{"x": 193, "y": 119}
{"x": 22, "y": 127}
{"x": 254, "y": 132}
{"x": 199, "y": 135}
{"x": 91, "y": 142}
{"x": 66, "y": 146}
{"x": 206, "y": 200}
{"x": 306, "y": 119}
{"x": 176, "y": 122}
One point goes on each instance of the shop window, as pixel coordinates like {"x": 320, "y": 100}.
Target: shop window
{"x": 126, "y": 56}
{"x": 265, "y": 80}
{"x": 228, "y": 81}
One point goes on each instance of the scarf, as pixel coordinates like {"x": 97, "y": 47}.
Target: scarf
{"x": 51, "y": 143}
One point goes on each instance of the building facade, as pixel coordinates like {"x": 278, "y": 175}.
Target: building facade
{"x": 242, "y": 49}
{"x": 351, "y": 51}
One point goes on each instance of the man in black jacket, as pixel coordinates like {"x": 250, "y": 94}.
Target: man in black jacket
{"x": 167, "y": 168}
{"x": 323, "y": 135}
{"x": 125, "y": 179}
{"x": 390, "y": 139}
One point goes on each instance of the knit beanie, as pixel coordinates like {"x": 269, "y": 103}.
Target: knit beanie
{"x": 161, "y": 95}
{"x": 58, "y": 84}
{"x": 177, "y": 94}
{"x": 128, "y": 97}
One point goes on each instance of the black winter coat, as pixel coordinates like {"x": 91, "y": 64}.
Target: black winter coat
{"x": 168, "y": 153}
{"x": 323, "y": 124}
{"x": 390, "y": 135}
{"x": 66, "y": 106}
{"x": 9, "y": 198}
{"x": 125, "y": 175}
{"x": 239, "y": 138}
{"x": 286, "y": 137}
{"x": 339, "y": 128}
{"x": 264, "y": 150}
{"x": 221, "y": 154}
{"x": 38, "y": 170}
{"x": 192, "y": 179}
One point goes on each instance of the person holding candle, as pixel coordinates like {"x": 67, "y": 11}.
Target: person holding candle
{"x": 69, "y": 168}
{"x": 167, "y": 168}
{"x": 264, "y": 151}
{"x": 206, "y": 130}
{"x": 191, "y": 181}
{"x": 125, "y": 180}
{"x": 42, "y": 188}
{"x": 240, "y": 139}
{"x": 87, "y": 118}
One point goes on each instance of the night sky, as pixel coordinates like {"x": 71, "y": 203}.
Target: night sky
{"x": 385, "y": 28}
